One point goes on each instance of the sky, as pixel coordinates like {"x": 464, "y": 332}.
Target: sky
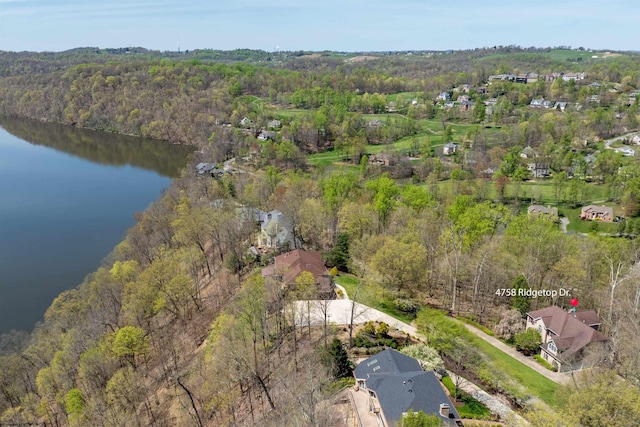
{"x": 315, "y": 25}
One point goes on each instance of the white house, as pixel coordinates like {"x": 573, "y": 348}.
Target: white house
{"x": 450, "y": 148}
{"x": 443, "y": 96}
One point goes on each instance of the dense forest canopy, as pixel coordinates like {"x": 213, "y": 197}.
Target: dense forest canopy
{"x": 178, "y": 326}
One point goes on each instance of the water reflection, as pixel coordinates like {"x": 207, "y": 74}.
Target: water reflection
{"x": 67, "y": 196}
{"x": 103, "y": 148}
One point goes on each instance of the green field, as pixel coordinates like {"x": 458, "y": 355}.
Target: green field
{"x": 291, "y": 113}
{"x": 564, "y": 55}
{"x": 431, "y": 129}
{"x": 570, "y": 54}
{"x": 541, "y": 191}
{"x": 401, "y": 98}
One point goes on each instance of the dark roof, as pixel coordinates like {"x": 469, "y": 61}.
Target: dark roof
{"x": 572, "y": 330}
{"x": 388, "y": 361}
{"x": 417, "y": 390}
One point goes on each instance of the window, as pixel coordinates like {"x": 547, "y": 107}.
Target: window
{"x": 552, "y": 347}
{"x": 540, "y": 329}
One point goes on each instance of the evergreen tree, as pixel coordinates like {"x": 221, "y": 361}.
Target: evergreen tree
{"x": 337, "y": 360}
{"x": 339, "y": 255}
{"x": 520, "y": 302}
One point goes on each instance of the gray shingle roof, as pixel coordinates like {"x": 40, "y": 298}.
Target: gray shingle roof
{"x": 388, "y": 361}
{"x": 402, "y": 392}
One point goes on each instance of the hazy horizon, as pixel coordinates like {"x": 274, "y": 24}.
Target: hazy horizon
{"x": 347, "y": 26}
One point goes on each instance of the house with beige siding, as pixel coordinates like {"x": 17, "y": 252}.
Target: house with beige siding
{"x": 566, "y": 335}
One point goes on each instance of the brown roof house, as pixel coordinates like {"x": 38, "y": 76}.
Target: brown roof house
{"x": 383, "y": 159}
{"x": 597, "y": 213}
{"x": 541, "y": 210}
{"x": 288, "y": 266}
{"x": 390, "y": 384}
{"x": 565, "y": 335}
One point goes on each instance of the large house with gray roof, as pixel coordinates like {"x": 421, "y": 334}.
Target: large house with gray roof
{"x": 396, "y": 384}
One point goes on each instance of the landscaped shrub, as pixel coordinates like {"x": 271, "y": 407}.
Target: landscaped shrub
{"x": 370, "y": 336}
{"x": 428, "y": 357}
{"x": 529, "y": 341}
{"x": 544, "y": 362}
{"x": 406, "y": 305}
{"x": 382, "y": 330}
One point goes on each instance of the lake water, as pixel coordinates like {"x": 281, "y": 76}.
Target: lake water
{"x": 67, "y": 197}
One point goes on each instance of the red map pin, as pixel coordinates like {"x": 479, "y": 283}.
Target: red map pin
{"x": 574, "y": 302}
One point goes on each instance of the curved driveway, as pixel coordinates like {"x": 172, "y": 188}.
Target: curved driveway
{"x": 339, "y": 312}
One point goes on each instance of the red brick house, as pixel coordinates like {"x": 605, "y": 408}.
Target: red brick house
{"x": 597, "y": 213}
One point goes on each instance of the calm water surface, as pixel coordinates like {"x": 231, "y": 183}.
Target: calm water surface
{"x": 67, "y": 196}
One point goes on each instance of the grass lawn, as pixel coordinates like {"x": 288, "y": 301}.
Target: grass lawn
{"x": 533, "y": 383}
{"x": 401, "y": 97}
{"x": 372, "y": 299}
{"x": 325, "y": 158}
{"x": 556, "y": 54}
{"x": 566, "y": 54}
{"x": 543, "y": 191}
{"x": 290, "y": 113}
{"x": 579, "y": 226}
{"x": 472, "y": 408}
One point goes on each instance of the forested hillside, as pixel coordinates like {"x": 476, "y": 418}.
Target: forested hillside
{"x": 178, "y": 326}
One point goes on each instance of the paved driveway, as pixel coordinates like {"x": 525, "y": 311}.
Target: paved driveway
{"x": 339, "y": 312}
{"x": 556, "y": 377}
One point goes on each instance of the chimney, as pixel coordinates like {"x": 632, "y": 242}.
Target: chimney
{"x": 444, "y": 410}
